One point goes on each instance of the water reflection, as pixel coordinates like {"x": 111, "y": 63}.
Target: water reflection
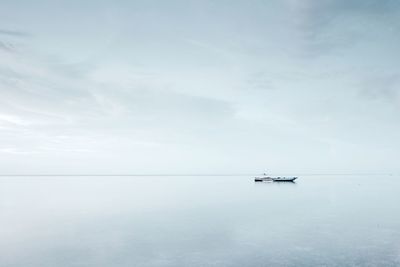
{"x": 192, "y": 221}
{"x": 272, "y": 182}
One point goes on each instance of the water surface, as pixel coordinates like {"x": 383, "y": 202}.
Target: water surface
{"x": 199, "y": 221}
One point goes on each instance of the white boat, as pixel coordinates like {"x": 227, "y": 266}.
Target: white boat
{"x": 275, "y": 179}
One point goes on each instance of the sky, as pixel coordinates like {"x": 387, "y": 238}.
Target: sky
{"x": 199, "y": 87}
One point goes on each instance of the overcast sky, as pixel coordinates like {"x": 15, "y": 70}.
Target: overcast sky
{"x": 290, "y": 86}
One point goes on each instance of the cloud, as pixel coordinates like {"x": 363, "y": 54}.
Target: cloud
{"x": 6, "y": 46}
{"x": 8, "y": 39}
{"x": 12, "y": 33}
{"x": 214, "y": 89}
{"x": 329, "y": 25}
{"x": 47, "y": 111}
{"x": 382, "y": 86}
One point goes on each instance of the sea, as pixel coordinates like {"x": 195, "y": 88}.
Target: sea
{"x": 129, "y": 221}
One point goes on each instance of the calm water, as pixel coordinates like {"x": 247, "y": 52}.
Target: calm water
{"x": 199, "y": 221}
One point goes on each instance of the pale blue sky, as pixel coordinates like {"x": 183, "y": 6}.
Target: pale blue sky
{"x": 289, "y": 86}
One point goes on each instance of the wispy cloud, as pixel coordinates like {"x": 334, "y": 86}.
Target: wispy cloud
{"x": 329, "y": 24}
{"x": 13, "y": 33}
{"x": 382, "y": 86}
{"x": 171, "y": 90}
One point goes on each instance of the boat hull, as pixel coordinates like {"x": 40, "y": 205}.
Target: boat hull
{"x": 262, "y": 179}
{"x": 284, "y": 179}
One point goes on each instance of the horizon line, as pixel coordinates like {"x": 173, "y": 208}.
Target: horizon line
{"x": 188, "y": 174}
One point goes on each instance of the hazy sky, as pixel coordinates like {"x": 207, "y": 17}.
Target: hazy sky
{"x": 199, "y": 86}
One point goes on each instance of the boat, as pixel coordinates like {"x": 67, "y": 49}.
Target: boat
{"x": 265, "y": 178}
